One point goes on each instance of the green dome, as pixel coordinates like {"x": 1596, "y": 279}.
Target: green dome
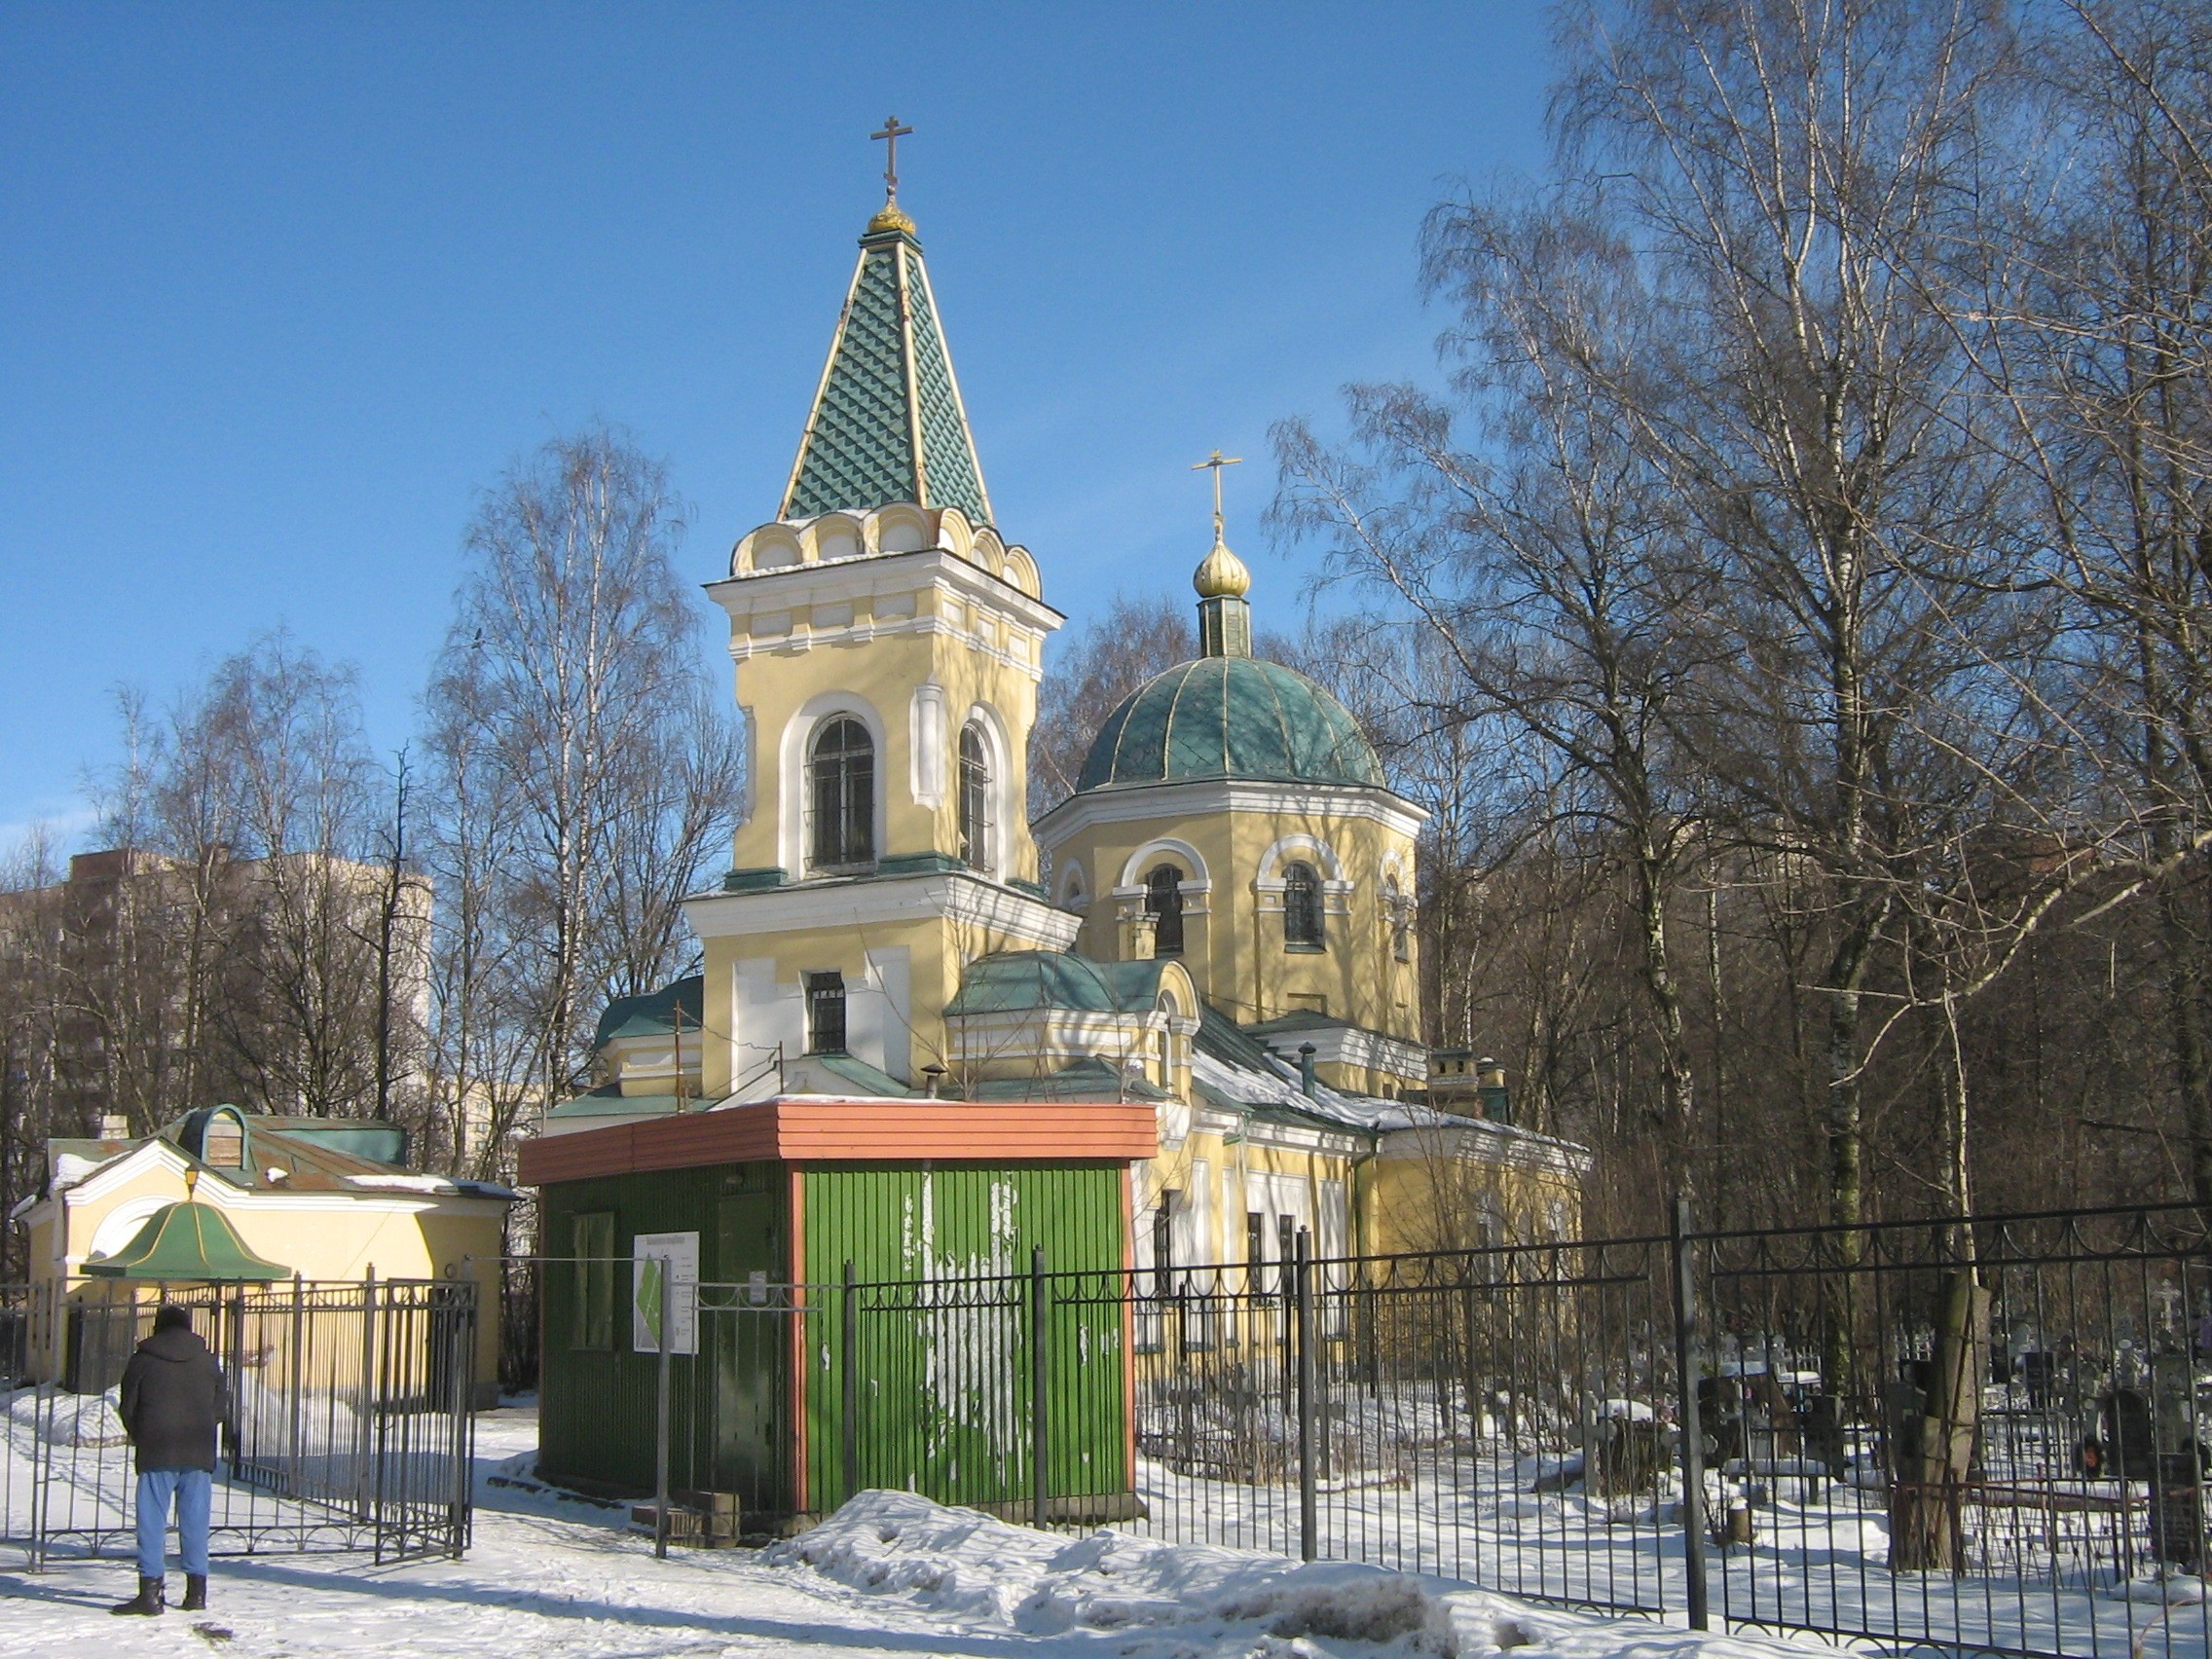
{"x": 1231, "y": 716}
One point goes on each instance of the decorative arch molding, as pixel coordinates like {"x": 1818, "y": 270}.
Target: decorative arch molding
{"x": 1140, "y": 864}
{"x": 1073, "y": 890}
{"x": 791, "y": 770}
{"x": 834, "y": 535}
{"x": 777, "y": 544}
{"x": 1022, "y": 572}
{"x": 1310, "y": 849}
{"x": 121, "y": 1225}
{"x": 1175, "y": 1000}
{"x": 901, "y": 527}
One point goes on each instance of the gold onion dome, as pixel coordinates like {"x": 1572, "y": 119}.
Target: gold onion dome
{"x": 890, "y": 217}
{"x": 1222, "y": 574}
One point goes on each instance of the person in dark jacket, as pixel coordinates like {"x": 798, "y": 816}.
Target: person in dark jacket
{"x": 174, "y": 1401}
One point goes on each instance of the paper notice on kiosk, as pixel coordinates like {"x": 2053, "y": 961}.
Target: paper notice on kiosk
{"x": 679, "y": 1251}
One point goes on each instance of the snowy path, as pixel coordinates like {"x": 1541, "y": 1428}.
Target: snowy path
{"x": 893, "y": 1575}
{"x": 546, "y": 1576}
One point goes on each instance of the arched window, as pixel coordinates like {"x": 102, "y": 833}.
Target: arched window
{"x": 974, "y": 799}
{"x": 1164, "y": 899}
{"x": 1397, "y": 917}
{"x": 1302, "y": 907}
{"x": 841, "y": 798}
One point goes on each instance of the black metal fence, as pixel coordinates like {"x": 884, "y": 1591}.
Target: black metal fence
{"x": 350, "y": 1426}
{"x": 1987, "y": 1436}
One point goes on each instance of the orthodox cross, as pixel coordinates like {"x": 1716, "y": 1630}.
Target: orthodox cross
{"x": 890, "y": 135}
{"x": 1217, "y": 460}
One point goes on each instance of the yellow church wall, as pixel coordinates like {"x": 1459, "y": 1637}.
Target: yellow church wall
{"x": 931, "y": 624}
{"x": 918, "y": 625}
{"x": 874, "y": 680}
{"x": 1233, "y": 930}
{"x": 901, "y": 944}
{"x": 1425, "y": 1195}
{"x": 1231, "y": 1164}
{"x": 842, "y": 948}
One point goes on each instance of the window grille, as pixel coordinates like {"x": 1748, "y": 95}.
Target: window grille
{"x": 842, "y": 798}
{"x": 975, "y": 827}
{"x": 826, "y": 1014}
{"x": 1164, "y": 899}
{"x": 1302, "y": 909}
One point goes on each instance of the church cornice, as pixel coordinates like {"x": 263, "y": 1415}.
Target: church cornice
{"x": 747, "y": 593}
{"x": 1134, "y": 804}
{"x": 959, "y": 895}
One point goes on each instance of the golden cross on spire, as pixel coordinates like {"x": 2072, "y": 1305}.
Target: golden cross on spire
{"x": 1217, "y": 460}
{"x": 890, "y": 135}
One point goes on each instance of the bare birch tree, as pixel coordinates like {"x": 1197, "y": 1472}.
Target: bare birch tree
{"x": 572, "y": 697}
{"x": 1538, "y": 549}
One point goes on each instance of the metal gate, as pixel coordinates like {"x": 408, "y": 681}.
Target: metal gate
{"x": 349, "y": 1428}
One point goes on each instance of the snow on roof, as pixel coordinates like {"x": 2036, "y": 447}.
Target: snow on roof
{"x": 69, "y": 1169}
{"x": 435, "y": 1184}
{"x": 1278, "y": 1085}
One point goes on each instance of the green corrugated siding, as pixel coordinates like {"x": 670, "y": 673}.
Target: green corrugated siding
{"x": 597, "y": 1408}
{"x": 944, "y": 1392}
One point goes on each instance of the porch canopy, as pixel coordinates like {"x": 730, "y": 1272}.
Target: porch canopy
{"x": 183, "y": 1245}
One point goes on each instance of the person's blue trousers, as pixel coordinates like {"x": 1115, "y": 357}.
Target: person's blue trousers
{"x": 191, "y": 1489}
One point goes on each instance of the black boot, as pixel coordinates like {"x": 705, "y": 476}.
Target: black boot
{"x": 148, "y": 1600}
{"x": 194, "y": 1593}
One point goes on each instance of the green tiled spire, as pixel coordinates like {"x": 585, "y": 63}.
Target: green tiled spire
{"x": 887, "y": 424}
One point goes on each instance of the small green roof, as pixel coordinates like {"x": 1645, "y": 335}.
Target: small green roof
{"x": 186, "y": 1243}
{"x": 610, "y": 1103}
{"x": 1015, "y": 981}
{"x": 652, "y": 1012}
{"x": 867, "y": 1079}
{"x": 1088, "y": 1080}
{"x": 887, "y": 422}
{"x": 1231, "y": 716}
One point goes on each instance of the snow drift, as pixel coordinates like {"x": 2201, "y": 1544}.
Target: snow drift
{"x": 65, "y": 1418}
{"x": 1197, "y": 1598}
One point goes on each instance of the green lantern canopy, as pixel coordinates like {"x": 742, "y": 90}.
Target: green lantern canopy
{"x": 183, "y": 1245}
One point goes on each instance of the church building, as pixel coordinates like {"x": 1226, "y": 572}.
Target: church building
{"x": 1218, "y": 924}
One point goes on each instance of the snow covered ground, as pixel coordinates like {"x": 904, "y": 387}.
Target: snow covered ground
{"x": 892, "y": 1574}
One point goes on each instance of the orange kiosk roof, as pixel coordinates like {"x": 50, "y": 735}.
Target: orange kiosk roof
{"x": 824, "y": 1129}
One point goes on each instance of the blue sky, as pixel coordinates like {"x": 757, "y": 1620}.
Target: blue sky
{"x": 282, "y": 288}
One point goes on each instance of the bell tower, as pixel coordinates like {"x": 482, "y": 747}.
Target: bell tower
{"x": 888, "y": 643}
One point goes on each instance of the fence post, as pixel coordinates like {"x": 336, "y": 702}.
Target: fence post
{"x": 235, "y": 1374}
{"x": 850, "y": 1382}
{"x": 1304, "y": 1272}
{"x": 296, "y": 1367}
{"x": 660, "y": 1428}
{"x": 1686, "y": 1417}
{"x": 1040, "y": 1381}
{"x": 460, "y": 1368}
{"x": 363, "y": 1478}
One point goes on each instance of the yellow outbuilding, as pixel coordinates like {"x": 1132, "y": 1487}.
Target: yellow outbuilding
{"x": 326, "y": 1200}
